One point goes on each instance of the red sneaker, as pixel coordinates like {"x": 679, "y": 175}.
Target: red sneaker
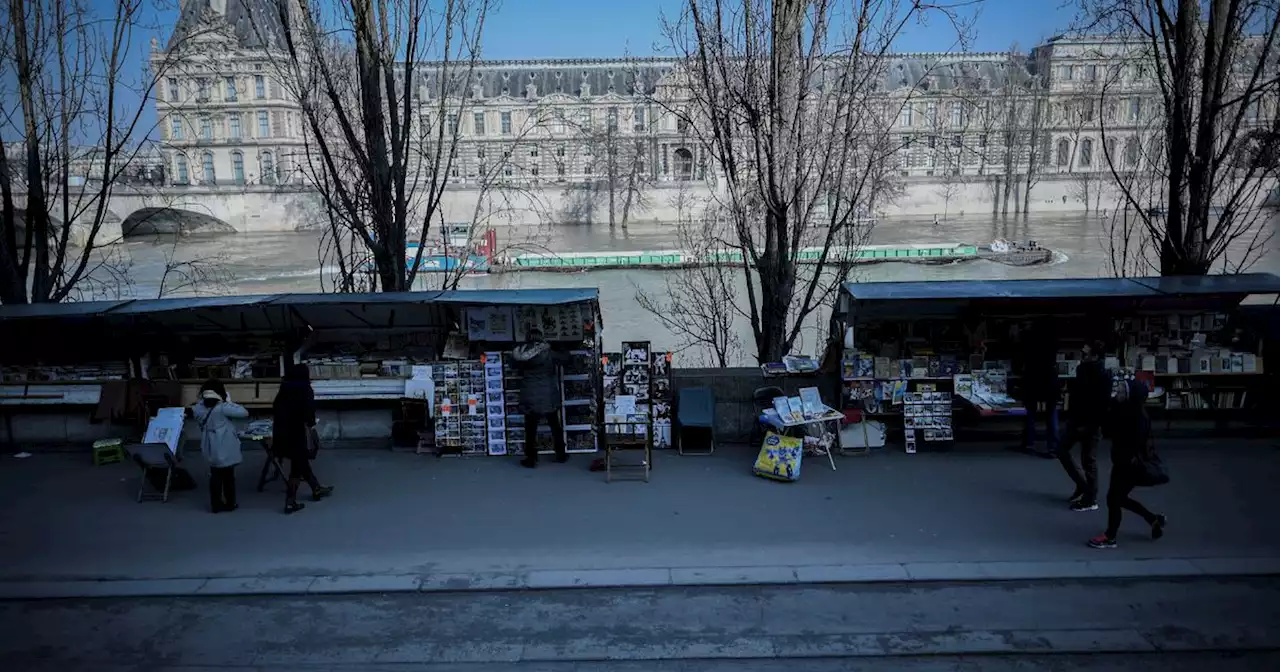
{"x": 1102, "y": 541}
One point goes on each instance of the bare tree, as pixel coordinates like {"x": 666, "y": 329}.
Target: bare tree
{"x": 699, "y": 305}
{"x": 1214, "y": 67}
{"x": 785, "y": 96}
{"x": 384, "y": 86}
{"x": 72, "y": 129}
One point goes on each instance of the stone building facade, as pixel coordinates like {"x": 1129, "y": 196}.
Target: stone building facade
{"x": 976, "y": 120}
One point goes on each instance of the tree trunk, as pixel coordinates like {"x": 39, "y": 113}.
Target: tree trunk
{"x": 37, "y": 211}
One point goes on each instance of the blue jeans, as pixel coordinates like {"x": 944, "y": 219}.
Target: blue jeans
{"x": 1029, "y": 426}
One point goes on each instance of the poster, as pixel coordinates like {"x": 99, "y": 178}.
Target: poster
{"x": 491, "y": 323}
{"x": 166, "y": 428}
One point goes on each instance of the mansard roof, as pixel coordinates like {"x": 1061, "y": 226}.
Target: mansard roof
{"x": 927, "y": 71}
{"x": 255, "y": 24}
{"x": 573, "y": 77}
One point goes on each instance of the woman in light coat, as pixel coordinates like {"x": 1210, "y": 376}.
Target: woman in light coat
{"x": 220, "y": 445}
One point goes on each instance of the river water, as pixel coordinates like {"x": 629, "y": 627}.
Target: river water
{"x": 289, "y": 262}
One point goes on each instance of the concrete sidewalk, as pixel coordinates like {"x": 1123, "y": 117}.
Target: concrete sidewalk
{"x": 403, "y": 522}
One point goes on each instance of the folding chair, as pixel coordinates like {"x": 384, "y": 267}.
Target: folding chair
{"x": 150, "y": 456}
{"x": 272, "y": 468}
{"x": 696, "y": 414}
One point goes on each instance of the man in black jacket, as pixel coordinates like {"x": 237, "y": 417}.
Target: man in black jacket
{"x": 1090, "y": 393}
{"x": 1040, "y": 386}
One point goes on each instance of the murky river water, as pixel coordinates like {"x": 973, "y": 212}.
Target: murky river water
{"x": 289, "y": 262}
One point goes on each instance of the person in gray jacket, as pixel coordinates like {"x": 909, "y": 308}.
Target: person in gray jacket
{"x": 540, "y": 394}
{"x": 220, "y": 446}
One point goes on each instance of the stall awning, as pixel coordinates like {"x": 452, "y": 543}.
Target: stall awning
{"x": 203, "y": 314}
{"x": 60, "y": 311}
{"x": 414, "y": 310}
{"x": 881, "y": 300}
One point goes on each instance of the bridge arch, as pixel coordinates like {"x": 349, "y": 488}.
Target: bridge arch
{"x": 170, "y": 221}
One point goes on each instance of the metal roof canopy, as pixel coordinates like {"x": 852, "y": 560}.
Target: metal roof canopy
{"x": 414, "y": 310}
{"x": 906, "y": 300}
{"x": 85, "y": 309}
{"x": 203, "y": 314}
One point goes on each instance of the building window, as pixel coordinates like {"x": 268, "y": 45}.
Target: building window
{"x": 684, "y": 164}
{"x": 584, "y": 119}
{"x": 477, "y": 123}
{"x": 282, "y": 167}
{"x": 1135, "y": 109}
{"x": 453, "y": 124}
{"x": 533, "y": 170}
{"x": 207, "y": 163}
{"x": 480, "y": 153}
{"x": 559, "y": 170}
{"x": 957, "y": 114}
{"x": 176, "y": 126}
{"x": 560, "y": 152}
{"x": 259, "y": 87}
{"x": 234, "y": 122}
{"x": 1064, "y": 153}
{"x": 506, "y": 123}
{"x": 907, "y": 117}
{"x": 1086, "y": 110}
{"x": 611, "y": 118}
{"x": 1067, "y": 72}
{"x": 237, "y": 167}
{"x": 1086, "y": 153}
{"x": 533, "y": 153}
{"x": 173, "y": 89}
{"x": 956, "y": 141}
{"x": 982, "y": 141}
{"x": 1091, "y": 73}
{"x": 506, "y": 170}
{"x": 267, "y": 168}
{"x": 639, "y": 120}
{"x": 202, "y": 90}
{"x": 183, "y": 176}
{"x": 933, "y": 142}
{"x": 1131, "y": 152}
{"x": 206, "y": 128}
{"x": 231, "y": 89}
{"x": 264, "y": 124}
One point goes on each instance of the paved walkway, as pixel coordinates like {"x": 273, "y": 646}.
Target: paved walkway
{"x": 401, "y": 522}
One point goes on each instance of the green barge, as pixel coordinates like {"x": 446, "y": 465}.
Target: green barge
{"x": 936, "y": 253}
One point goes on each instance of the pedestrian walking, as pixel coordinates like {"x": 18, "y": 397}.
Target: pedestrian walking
{"x": 1130, "y": 434}
{"x": 1090, "y": 394}
{"x": 1040, "y": 386}
{"x": 293, "y": 435}
{"x": 539, "y": 394}
{"x": 219, "y": 443}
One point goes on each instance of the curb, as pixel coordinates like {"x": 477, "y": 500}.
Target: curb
{"x": 682, "y": 577}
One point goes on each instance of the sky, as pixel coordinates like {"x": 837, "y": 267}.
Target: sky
{"x": 547, "y": 29}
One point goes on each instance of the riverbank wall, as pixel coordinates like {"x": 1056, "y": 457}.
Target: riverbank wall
{"x": 520, "y": 212}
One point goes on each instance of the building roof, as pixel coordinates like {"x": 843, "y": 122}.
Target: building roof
{"x": 255, "y": 24}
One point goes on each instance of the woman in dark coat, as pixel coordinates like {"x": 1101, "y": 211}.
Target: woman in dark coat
{"x": 1130, "y": 432}
{"x": 295, "y": 416}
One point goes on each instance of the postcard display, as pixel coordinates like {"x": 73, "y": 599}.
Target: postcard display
{"x": 558, "y": 324}
{"x": 880, "y": 386}
{"x": 637, "y": 373}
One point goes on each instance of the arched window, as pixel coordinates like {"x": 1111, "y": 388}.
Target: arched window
{"x": 684, "y": 164}
{"x": 237, "y": 167}
{"x": 182, "y": 177}
{"x": 1086, "y": 153}
{"x": 1064, "y": 152}
{"x": 282, "y": 168}
{"x": 267, "y": 167}
{"x": 207, "y": 162}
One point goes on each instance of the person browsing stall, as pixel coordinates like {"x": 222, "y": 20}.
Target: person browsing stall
{"x": 538, "y": 364}
{"x": 219, "y": 443}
